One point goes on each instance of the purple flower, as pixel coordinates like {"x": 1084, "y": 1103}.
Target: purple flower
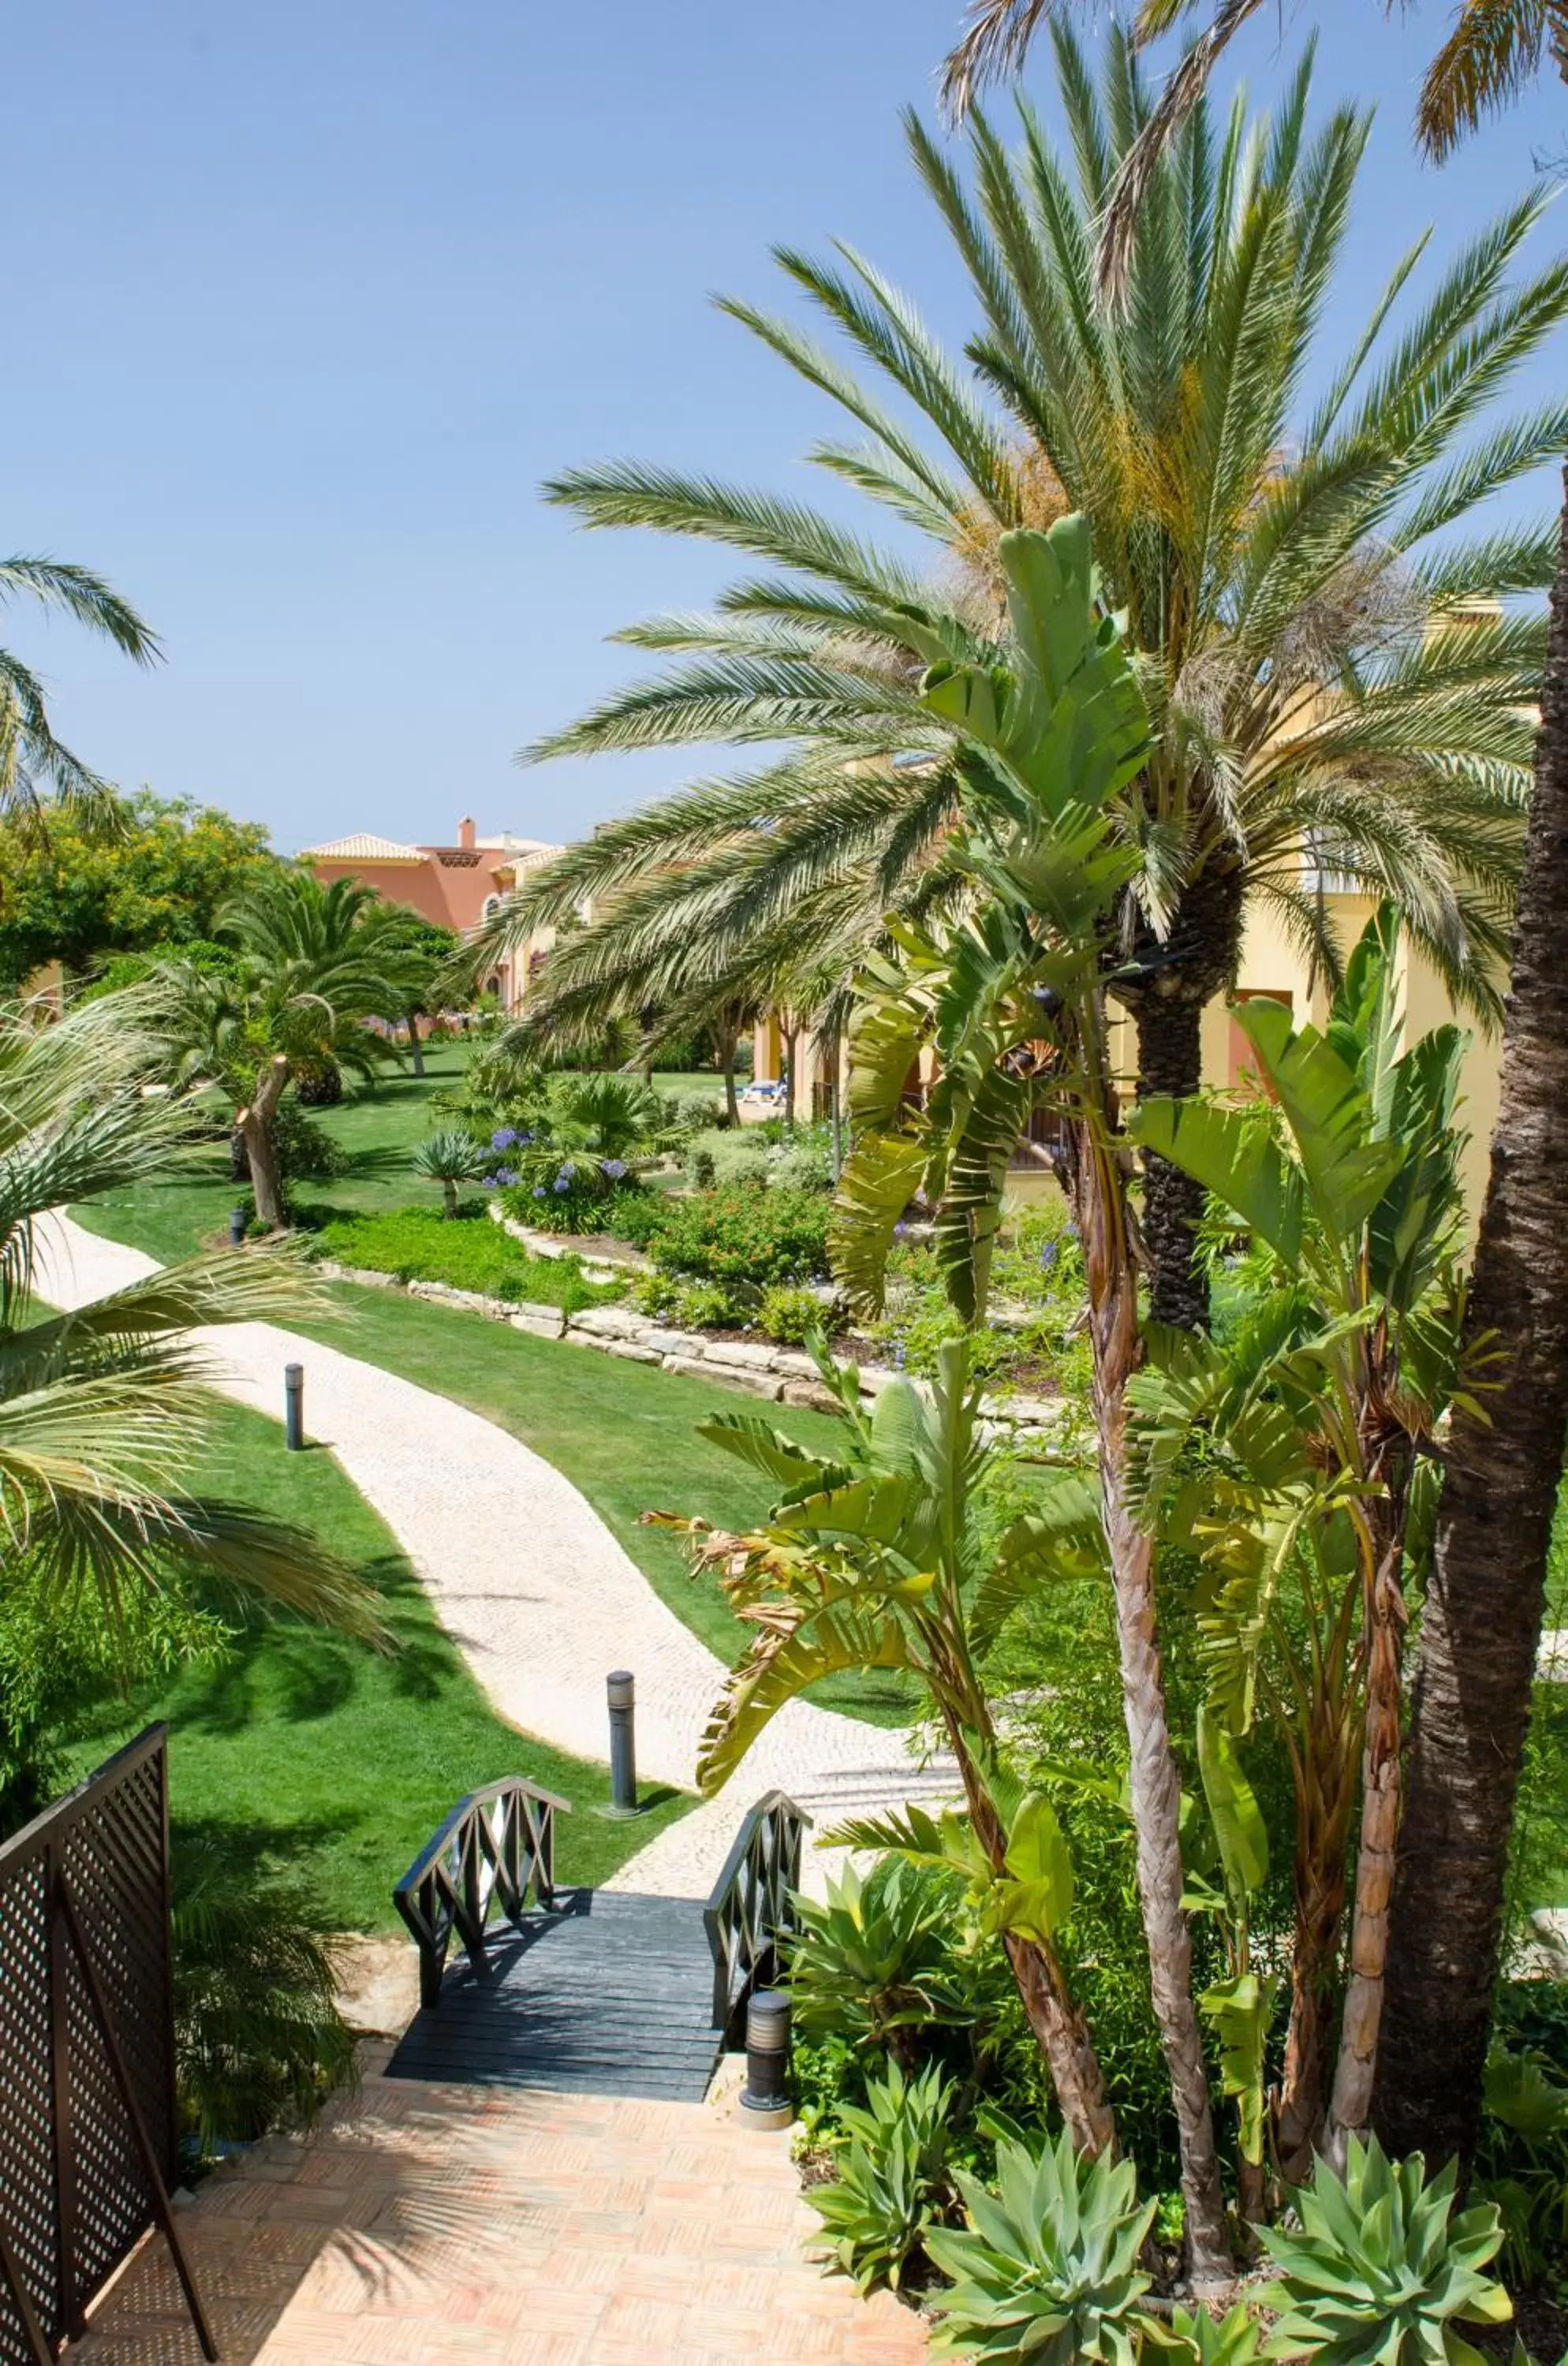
{"x": 1048, "y": 1256}
{"x": 503, "y": 1138}
{"x": 506, "y": 1174}
{"x": 538, "y": 1190}
{"x": 490, "y": 1182}
{"x": 614, "y": 1167}
{"x": 1072, "y": 1231}
{"x": 899, "y": 1355}
{"x": 560, "y": 1184}
{"x": 523, "y": 1137}
{"x": 566, "y": 1171}
{"x": 900, "y": 1230}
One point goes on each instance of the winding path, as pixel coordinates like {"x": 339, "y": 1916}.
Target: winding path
{"x": 529, "y": 1583}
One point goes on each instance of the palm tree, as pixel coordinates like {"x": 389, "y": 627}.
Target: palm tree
{"x": 103, "y": 1410}
{"x": 314, "y": 967}
{"x": 451, "y": 1158}
{"x": 30, "y": 752}
{"x": 1336, "y": 689}
{"x": 1485, "y": 1603}
{"x": 1051, "y": 727}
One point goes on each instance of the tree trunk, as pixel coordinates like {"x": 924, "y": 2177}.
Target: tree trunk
{"x": 1060, "y": 2030}
{"x": 448, "y": 1198}
{"x": 239, "y": 1156}
{"x": 1326, "y": 1798}
{"x": 416, "y": 1049}
{"x": 1170, "y": 1061}
{"x": 1359, "y": 2026}
{"x": 1155, "y": 1782}
{"x": 726, "y": 1041}
{"x": 255, "y": 1125}
{"x": 1166, "y": 985}
{"x": 1481, "y": 1628}
{"x": 788, "y": 1038}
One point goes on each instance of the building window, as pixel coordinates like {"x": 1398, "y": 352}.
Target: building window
{"x": 491, "y": 907}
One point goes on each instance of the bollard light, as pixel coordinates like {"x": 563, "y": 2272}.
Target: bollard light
{"x": 239, "y": 1224}
{"x": 620, "y": 1690}
{"x": 764, "y": 2100}
{"x": 294, "y": 1407}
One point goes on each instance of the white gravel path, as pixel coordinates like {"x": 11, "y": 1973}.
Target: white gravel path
{"x": 529, "y": 1583}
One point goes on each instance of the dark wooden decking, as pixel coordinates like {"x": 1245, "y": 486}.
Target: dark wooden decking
{"x": 609, "y": 1995}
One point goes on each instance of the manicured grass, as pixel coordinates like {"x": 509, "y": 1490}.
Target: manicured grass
{"x": 333, "y": 1757}
{"x": 468, "y": 1252}
{"x": 623, "y": 1433}
{"x": 188, "y": 1209}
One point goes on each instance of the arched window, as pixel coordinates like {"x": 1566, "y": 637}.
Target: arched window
{"x": 491, "y": 907}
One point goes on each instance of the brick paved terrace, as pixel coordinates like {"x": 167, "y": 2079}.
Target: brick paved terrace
{"x": 423, "y": 2223}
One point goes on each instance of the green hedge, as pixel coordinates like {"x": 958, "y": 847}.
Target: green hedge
{"x": 417, "y": 1245}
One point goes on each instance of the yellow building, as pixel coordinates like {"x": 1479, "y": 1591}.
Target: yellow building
{"x": 1271, "y": 966}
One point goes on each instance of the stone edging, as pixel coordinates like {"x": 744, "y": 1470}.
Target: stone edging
{"x": 783, "y": 1375}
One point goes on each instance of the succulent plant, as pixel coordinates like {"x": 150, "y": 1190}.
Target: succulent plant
{"x": 1378, "y": 2270}
{"x": 892, "y": 2177}
{"x": 1192, "y": 2338}
{"x": 1047, "y": 2270}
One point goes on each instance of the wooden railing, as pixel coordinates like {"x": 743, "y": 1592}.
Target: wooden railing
{"x": 496, "y": 1848}
{"x": 752, "y": 1908}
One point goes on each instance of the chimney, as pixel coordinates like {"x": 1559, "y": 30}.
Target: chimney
{"x": 465, "y": 833}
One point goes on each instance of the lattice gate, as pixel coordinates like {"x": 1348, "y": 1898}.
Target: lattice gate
{"x": 89, "y": 2129}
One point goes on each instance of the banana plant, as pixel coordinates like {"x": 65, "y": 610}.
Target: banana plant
{"x": 878, "y": 1560}
{"x": 1049, "y": 725}
{"x": 1300, "y": 1453}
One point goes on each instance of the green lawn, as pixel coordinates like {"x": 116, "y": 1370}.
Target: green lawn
{"x": 336, "y": 1757}
{"x": 189, "y": 1208}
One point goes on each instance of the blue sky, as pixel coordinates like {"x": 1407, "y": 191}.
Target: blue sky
{"x": 307, "y": 299}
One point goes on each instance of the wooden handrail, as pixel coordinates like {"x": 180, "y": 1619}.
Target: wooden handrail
{"x": 751, "y": 1907}
{"x": 497, "y": 1844}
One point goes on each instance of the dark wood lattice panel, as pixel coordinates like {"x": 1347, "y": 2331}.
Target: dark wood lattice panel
{"x": 28, "y": 2202}
{"x": 75, "y": 2194}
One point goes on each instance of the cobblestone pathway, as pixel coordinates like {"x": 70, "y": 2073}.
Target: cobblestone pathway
{"x": 426, "y": 2223}
{"x": 529, "y": 1583}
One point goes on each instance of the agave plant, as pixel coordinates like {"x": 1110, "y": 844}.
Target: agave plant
{"x": 870, "y": 1961}
{"x": 892, "y": 2177}
{"x": 1378, "y": 2270}
{"x": 1193, "y": 2337}
{"x": 1047, "y": 2270}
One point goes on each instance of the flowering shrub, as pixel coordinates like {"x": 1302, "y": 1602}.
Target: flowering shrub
{"x": 689, "y": 1305}
{"x": 744, "y": 1238}
{"x": 790, "y": 1315}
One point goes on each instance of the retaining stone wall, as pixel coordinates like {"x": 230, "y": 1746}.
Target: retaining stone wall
{"x": 782, "y": 1374}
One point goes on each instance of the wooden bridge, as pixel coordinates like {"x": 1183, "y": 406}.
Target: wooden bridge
{"x": 584, "y": 1991}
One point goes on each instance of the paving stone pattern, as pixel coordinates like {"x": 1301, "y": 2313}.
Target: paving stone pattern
{"x": 421, "y": 2222}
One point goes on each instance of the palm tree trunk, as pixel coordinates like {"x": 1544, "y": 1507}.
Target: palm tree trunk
{"x": 255, "y": 1125}
{"x": 1170, "y": 1061}
{"x": 1481, "y": 1627}
{"x": 416, "y": 1049}
{"x": 726, "y": 1042}
{"x": 1351, "y": 2107}
{"x": 1155, "y": 1782}
{"x": 788, "y": 1037}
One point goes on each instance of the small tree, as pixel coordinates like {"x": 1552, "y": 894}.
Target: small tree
{"x": 451, "y": 1158}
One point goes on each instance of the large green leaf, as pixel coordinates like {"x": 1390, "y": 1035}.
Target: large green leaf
{"x": 1237, "y": 1818}
{"x": 879, "y": 1179}
{"x": 1242, "y": 2011}
{"x": 1240, "y": 1165}
{"x": 841, "y": 1637}
{"x": 766, "y": 1448}
{"x": 1330, "y": 1118}
{"x": 969, "y": 1216}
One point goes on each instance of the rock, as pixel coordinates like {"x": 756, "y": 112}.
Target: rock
{"x": 1030, "y": 1412}
{"x": 670, "y": 1343}
{"x": 608, "y": 1323}
{"x": 330, "y": 1268}
{"x": 873, "y": 1378}
{"x": 544, "y": 1321}
{"x": 796, "y": 1362}
{"x": 812, "y": 1393}
{"x": 750, "y": 1356}
{"x": 445, "y": 1295}
{"x": 632, "y": 1349}
{"x": 378, "y": 1982}
{"x": 730, "y": 1376}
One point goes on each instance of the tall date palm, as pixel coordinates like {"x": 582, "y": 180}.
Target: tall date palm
{"x": 1334, "y": 684}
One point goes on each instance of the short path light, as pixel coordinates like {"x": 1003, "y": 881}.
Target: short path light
{"x": 239, "y": 1224}
{"x": 764, "y": 2100}
{"x": 294, "y": 1407}
{"x": 621, "y": 1691}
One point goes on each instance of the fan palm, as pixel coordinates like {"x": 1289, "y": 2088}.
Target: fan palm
{"x": 30, "y": 752}
{"x": 315, "y": 964}
{"x": 1334, "y": 685}
{"x": 104, "y": 1409}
